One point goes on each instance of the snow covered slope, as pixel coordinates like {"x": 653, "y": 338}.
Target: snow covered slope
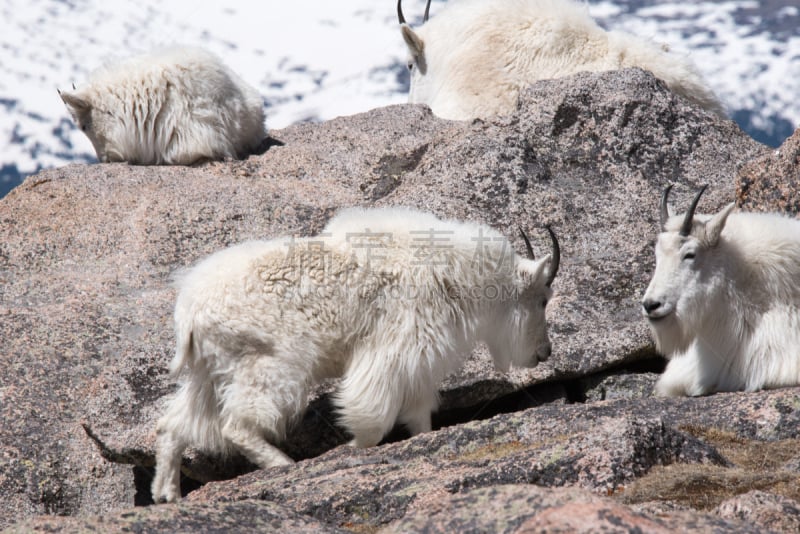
{"x": 748, "y": 51}
{"x": 318, "y": 59}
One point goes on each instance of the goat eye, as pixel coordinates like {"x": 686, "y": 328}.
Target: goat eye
{"x": 689, "y": 256}
{"x": 410, "y": 66}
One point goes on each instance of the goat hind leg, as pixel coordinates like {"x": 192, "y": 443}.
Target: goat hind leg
{"x": 257, "y": 411}
{"x": 251, "y": 442}
{"x": 166, "y": 485}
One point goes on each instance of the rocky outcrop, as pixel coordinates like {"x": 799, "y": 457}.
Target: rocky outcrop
{"x": 769, "y": 511}
{"x": 653, "y": 464}
{"x": 772, "y": 181}
{"x": 86, "y": 255}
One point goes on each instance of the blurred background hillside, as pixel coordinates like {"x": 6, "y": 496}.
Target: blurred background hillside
{"x": 316, "y": 59}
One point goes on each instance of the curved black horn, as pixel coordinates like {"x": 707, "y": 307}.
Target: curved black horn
{"x": 427, "y": 11}
{"x": 664, "y": 209}
{"x": 686, "y": 227}
{"x": 400, "y": 16}
{"x": 527, "y": 243}
{"x": 555, "y": 259}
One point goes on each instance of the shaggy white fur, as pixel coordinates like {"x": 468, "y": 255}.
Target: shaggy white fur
{"x": 724, "y": 303}
{"x": 175, "y": 106}
{"x": 472, "y": 59}
{"x": 391, "y": 300}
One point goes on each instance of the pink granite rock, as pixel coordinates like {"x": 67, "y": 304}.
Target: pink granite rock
{"x": 87, "y": 252}
{"x": 772, "y": 182}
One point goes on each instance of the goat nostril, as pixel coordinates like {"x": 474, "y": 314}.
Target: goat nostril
{"x": 651, "y": 305}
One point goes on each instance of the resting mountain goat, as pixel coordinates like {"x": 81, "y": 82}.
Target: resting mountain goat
{"x": 174, "y": 107}
{"x": 724, "y": 301}
{"x": 472, "y": 60}
{"x": 391, "y": 300}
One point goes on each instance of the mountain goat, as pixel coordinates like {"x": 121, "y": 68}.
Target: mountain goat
{"x": 724, "y": 301}
{"x": 472, "y": 60}
{"x": 176, "y": 106}
{"x": 391, "y": 300}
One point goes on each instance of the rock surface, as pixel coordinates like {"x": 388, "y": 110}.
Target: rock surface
{"x": 772, "y": 512}
{"x": 518, "y": 509}
{"x": 248, "y": 516}
{"x": 86, "y": 255}
{"x": 772, "y": 181}
{"x": 660, "y": 465}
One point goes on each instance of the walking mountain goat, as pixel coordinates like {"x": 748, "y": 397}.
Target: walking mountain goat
{"x": 724, "y": 301}
{"x": 473, "y": 59}
{"x": 390, "y": 300}
{"x": 177, "y": 106}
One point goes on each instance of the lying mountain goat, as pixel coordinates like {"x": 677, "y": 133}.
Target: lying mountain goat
{"x": 174, "y": 107}
{"x": 724, "y": 302}
{"x": 391, "y": 300}
{"x": 472, "y": 60}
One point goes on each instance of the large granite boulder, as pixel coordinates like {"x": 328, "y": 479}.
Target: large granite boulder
{"x": 652, "y": 465}
{"x": 86, "y": 255}
{"x": 772, "y": 182}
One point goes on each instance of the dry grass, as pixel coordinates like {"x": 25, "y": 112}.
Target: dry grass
{"x": 757, "y": 465}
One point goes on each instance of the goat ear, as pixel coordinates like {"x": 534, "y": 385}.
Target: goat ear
{"x": 75, "y": 104}
{"x": 414, "y": 42}
{"x": 530, "y": 271}
{"x": 715, "y": 226}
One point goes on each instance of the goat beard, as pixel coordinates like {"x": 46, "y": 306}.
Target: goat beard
{"x": 670, "y": 336}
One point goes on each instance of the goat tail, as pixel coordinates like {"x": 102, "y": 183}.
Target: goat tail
{"x": 193, "y": 416}
{"x": 184, "y": 352}
{"x": 193, "y": 413}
